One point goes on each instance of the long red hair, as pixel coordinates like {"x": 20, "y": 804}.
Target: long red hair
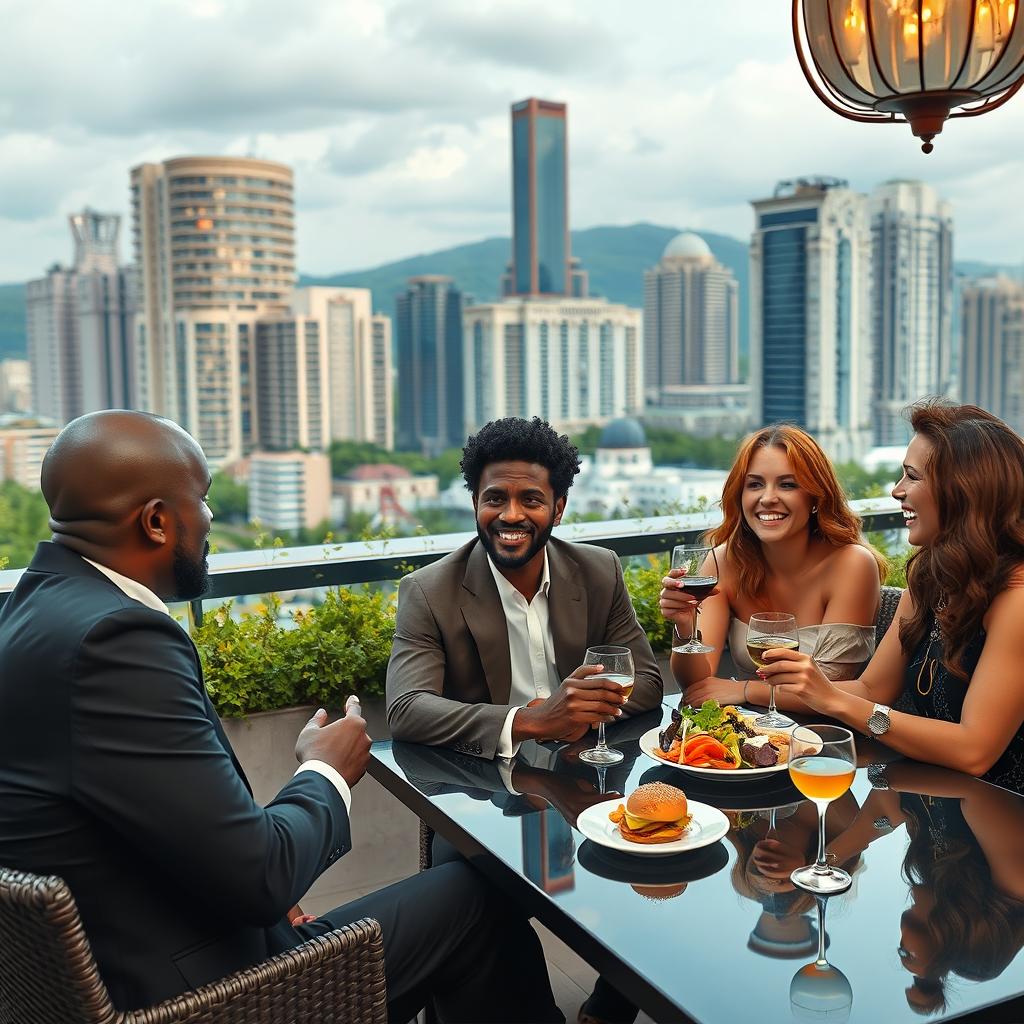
{"x": 834, "y": 521}
{"x": 976, "y": 472}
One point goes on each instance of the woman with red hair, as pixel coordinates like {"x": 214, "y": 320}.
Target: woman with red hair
{"x": 950, "y": 665}
{"x": 789, "y": 542}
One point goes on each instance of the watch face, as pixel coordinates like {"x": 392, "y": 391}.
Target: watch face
{"x": 878, "y": 723}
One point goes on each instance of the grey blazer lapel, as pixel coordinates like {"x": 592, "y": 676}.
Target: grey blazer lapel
{"x": 567, "y": 611}
{"x": 485, "y": 618}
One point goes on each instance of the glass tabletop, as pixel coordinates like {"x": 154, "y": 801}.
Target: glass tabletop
{"x": 931, "y": 928}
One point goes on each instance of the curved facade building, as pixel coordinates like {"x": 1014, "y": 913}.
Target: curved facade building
{"x": 214, "y": 241}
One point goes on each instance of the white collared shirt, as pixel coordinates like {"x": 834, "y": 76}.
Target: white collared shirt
{"x": 138, "y": 592}
{"x": 530, "y": 646}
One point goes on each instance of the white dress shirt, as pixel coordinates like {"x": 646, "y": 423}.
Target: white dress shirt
{"x": 530, "y": 646}
{"x": 137, "y": 592}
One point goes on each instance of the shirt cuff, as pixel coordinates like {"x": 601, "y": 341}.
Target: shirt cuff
{"x": 506, "y": 748}
{"x": 333, "y": 776}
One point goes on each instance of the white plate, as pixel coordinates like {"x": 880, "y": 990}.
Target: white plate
{"x": 649, "y": 744}
{"x": 707, "y": 826}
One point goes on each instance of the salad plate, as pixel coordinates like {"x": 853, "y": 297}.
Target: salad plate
{"x": 707, "y": 826}
{"x": 649, "y": 745}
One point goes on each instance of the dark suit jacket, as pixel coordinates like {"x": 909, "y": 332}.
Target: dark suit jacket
{"x": 116, "y": 775}
{"x": 450, "y": 673}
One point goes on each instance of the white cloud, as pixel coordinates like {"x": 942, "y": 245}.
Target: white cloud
{"x": 394, "y": 115}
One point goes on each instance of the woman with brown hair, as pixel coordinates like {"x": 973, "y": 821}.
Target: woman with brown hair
{"x": 788, "y": 542}
{"x": 953, "y": 660}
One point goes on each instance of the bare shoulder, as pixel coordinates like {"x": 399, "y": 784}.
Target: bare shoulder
{"x": 1006, "y": 612}
{"x": 728, "y": 574}
{"x": 851, "y": 565}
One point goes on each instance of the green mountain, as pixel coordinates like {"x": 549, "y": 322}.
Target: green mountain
{"x": 12, "y": 321}
{"x": 616, "y": 258}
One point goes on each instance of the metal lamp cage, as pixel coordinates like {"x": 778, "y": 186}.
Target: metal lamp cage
{"x": 910, "y": 61}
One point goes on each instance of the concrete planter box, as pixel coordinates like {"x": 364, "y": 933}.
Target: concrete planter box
{"x": 385, "y": 834}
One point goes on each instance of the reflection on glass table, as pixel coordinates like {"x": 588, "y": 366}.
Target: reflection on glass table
{"x": 820, "y": 991}
{"x": 548, "y": 849}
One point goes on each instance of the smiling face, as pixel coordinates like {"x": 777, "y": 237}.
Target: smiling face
{"x": 774, "y": 505}
{"x": 516, "y": 509}
{"x": 916, "y": 495}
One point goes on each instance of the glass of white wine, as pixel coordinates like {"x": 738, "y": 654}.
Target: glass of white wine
{"x": 768, "y": 631}
{"x": 618, "y": 669}
{"x": 822, "y": 763}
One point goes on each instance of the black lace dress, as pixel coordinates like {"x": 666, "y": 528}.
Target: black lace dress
{"x": 930, "y": 691}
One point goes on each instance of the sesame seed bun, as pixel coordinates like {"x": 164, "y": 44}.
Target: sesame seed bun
{"x": 657, "y": 801}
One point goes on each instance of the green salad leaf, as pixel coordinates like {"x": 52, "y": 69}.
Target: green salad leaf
{"x": 707, "y": 717}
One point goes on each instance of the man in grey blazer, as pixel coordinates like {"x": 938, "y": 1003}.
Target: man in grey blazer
{"x": 490, "y": 640}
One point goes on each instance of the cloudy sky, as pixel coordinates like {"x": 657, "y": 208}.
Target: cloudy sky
{"x": 394, "y": 115}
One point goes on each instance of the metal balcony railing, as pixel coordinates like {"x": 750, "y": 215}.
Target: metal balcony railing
{"x": 325, "y": 565}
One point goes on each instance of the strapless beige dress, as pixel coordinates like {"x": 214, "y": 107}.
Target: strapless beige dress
{"x": 839, "y": 649}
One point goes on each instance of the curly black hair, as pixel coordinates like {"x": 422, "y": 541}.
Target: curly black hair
{"x": 516, "y": 439}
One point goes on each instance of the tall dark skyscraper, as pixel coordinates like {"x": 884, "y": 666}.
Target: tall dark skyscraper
{"x": 810, "y": 358}
{"x": 428, "y": 324}
{"x": 541, "y": 260}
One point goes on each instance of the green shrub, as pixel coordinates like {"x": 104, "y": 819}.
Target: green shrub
{"x": 339, "y": 647}
{"x": 643, "y": 582}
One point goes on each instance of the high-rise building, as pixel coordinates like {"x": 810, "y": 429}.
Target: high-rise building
{"x": 571, "y": 362}
{"x": 810, "y": 322}
{"x": 22, "y": 447}
{"x": 428, "y": 322}
{"x": 911, "y": 302}
{"x": 691, "y": 319}
{"x": 79, "y": 326}
{"x": 358, "y": 347}
{"x": 289, "y": 490}
{"x": 214, "y": 242}
{"x": 992, "y": 348}
{"x": 15, "y": 386}
{"x": 542, "y": 263}
{"x": 289, "y": 372}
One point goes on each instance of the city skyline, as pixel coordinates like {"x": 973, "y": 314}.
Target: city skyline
{"x": 396, "y": 122}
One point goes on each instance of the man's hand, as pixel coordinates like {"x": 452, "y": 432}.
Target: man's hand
{"x": 583, "y": 700}
{"x": 343, "y": 744}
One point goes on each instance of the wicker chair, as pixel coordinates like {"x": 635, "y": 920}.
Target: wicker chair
{"x": 886, "y": 611}
{"x": 48, "y": 974}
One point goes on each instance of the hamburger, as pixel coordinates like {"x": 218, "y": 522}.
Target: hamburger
{"x": 655, "y": 813}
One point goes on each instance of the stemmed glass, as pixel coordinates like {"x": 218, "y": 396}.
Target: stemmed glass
{"x": 618, "y": 668}
{"x": 767, "y": 631}
{"x": 822, "y": 762}
{"x": 819, "y": 991}
{"x": 698, "y": 582}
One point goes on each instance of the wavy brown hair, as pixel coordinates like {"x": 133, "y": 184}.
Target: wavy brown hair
{"x": 976, "y": 473}
{"x": 834, "y": 521}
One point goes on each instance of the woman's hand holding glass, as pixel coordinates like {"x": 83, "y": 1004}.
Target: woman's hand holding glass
{"x": 692, "y": 578}
{"x": 802, "y": 677}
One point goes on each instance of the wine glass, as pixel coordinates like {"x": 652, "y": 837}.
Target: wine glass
{"x": 698, "y": 582}
{"x": 618, "y": 668}
{"x": 819, "y": 991}
{"x": 822, "y": 762}
{"x": 767, "y": 631}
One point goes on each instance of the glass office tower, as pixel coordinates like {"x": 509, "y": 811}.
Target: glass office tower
{"x": 540, "y": 200}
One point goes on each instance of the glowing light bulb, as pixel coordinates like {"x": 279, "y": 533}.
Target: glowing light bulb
{"x": 853, "y": 34}
{"x": 984, "y": 27}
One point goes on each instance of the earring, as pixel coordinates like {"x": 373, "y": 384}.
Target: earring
{"x": 815, "y": 509}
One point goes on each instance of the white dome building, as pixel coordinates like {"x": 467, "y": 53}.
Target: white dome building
{"x": 621, "y": 477}
{"x": 688, "y": 246}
